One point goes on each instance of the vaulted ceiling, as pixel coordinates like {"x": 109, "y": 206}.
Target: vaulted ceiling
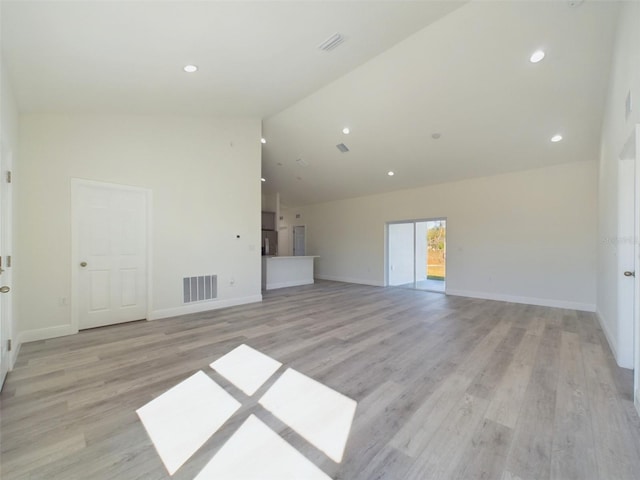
{"x": 255, "y": 58}
{"x": 466, "y": 80}
{"x": 408, "y": 71}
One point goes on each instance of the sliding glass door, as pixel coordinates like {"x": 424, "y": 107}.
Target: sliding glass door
{"x": 416, "y": 254}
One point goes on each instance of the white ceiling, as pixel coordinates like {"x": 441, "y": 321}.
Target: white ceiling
{"x": 255, "y": 58}
{"x": 408, "y": 69}
{"x": 467, "y": 77}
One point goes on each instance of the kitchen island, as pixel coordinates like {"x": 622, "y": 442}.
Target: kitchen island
{"x": 280, "y": 272}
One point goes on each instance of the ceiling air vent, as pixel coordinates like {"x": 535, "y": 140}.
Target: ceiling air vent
{"x": 332, "y": 42}
{"x": 342, "y": 147}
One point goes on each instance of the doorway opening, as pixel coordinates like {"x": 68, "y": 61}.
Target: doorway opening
{"x": 416, "y": 254}
{"x": 299, "y": 241}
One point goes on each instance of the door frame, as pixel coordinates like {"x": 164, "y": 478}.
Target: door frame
{"x": 636, "y": 261}
{"x": 386, "y": 246}
{"x": 76, "y": 183}
{"x": 6, "y": 230}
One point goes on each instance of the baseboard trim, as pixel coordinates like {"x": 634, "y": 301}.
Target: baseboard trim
{"x": 64, "y": 330}
{"x": 202, "y": 307}
{"x": 358, "y": 281}
{"x": 542, "y": 302}
{"x": 613, "y": 345}
{"x": 15, "y": 350}
{"x": 610, "y": 340}
{"x": 273, "y": 286}
{"x": 45, "y": 333}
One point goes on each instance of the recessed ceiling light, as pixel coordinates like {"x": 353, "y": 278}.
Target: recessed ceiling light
{"x": 263, "y": 179}
{"x": 263, "y": 140}
{"x": 390, "y": 173}
{"x": 190, "y": 68}
{"x": 346, "y": 130}
{"x": 556, "y": 138}
{"x": 536, "y": 56}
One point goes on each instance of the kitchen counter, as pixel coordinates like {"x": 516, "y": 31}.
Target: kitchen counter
{"x": 281, "y": 272}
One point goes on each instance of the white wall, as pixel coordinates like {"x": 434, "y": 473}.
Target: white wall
{"x": 205, "y": 180}
{"x": 9, "y": 140}
{"x": 525, "y": 237}
{"x": 615, "y": 209}
{"x": 9, "y": 111}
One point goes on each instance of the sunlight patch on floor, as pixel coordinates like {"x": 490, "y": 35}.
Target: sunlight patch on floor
{"x": 318, "y": 413}
{"x": 183, "y": 418}
{"x": 246, "y": 368}
{"x": 257, "y": 452}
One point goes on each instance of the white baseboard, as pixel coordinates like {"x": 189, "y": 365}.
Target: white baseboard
{"x": 202, "y": 307}
{"x": 44, "y": 333}
{"x": 273, "y": 286}
{"x": 15, "y": 350}
{"x": 64, "y": 330}
{"x": 543, "y": 302}
{"x": 349, "y": 280}
{"x": 36, "y": 335}
{"x": 613, "y": 344}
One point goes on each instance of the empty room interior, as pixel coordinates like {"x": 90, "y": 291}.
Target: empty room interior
{"x": 319, "y": 240}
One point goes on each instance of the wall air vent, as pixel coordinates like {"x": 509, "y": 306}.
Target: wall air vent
{"x": 197, "y": 289}
{"x": 342, "y": 147}
{"x": 332, "y": 42}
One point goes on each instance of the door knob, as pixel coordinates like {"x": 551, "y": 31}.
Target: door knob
{"x": 629, "y": 274}
{"x": 83, "y": 264}
{"x": 5, "y": 289}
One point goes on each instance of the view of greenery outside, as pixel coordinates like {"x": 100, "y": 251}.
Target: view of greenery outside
{"x": 436, "y": 251}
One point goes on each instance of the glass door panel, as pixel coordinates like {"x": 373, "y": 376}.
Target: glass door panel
{"x": 417, "y": 254}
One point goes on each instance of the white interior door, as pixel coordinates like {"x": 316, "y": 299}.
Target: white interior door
{"x": 109, "y": 253}
{"x": 5, "y": 267}
{"x": 299, "y": 241}
{"x": 635, "y": 153}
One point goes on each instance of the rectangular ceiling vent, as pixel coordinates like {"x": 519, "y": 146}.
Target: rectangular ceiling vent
{"x": 198, "y": 289}
{"x": 342, "y": 147}
{"x": 332, "y": 42}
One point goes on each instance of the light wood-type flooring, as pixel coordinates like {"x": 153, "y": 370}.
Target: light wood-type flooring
{"x": 447, "y": 388}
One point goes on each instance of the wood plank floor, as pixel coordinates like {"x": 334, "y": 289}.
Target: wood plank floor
{"x": 447, "y": 388}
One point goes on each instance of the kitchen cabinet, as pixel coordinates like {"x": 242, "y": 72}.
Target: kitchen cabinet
{"x": 268, "y": 221}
